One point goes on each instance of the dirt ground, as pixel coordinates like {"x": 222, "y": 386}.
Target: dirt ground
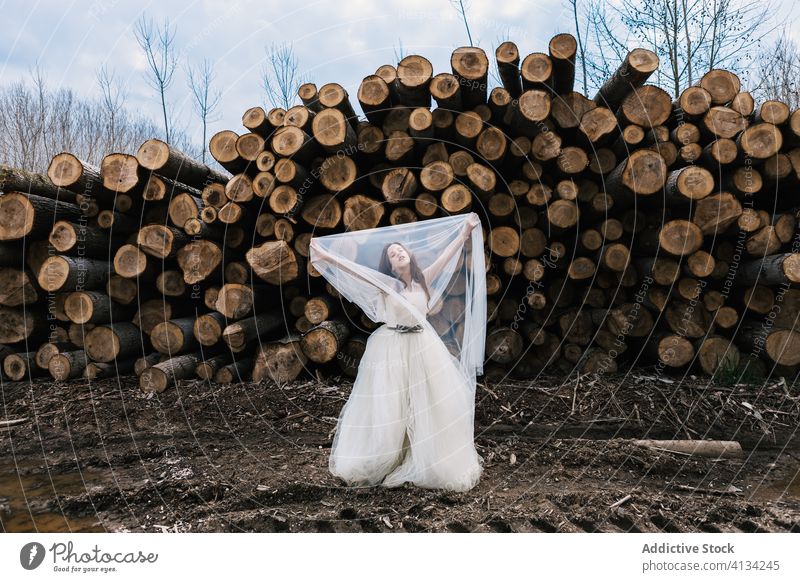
{"x": 558, "y": 457}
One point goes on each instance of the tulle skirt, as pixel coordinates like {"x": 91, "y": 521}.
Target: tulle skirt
{"x": 409, "y": 418}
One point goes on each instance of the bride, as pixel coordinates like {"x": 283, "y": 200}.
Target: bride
{"x": 410, "y": 415}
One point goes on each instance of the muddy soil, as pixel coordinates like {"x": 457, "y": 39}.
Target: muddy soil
{"x": 559, "y": 457}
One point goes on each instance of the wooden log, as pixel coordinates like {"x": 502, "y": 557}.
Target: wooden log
{"x": 536, "y": 72}
{"x": 563, "y": 214}
{"x": 161, "y": 376}
{"x": 503, "y": 345}
{"x": 743, "y": 103}
{"x": 199, "y": 260}
{"x": 255, "y": 120}
{"x": 470, "y": 67}
{"x": 414, "y": 73}
{"x": 714, "y": 214}
{"x": 693, "y": 103}
{"x": 763, "y": 242}
{"x": 687, "y": 319}
{"x": 184, "y": 207}
{"x": 781, "y": 346}
{"x": 772, "y": 111}
{"x": 71, "y": 239}
{"x": 67, "y": 365}
{"x": 121, "y": 289}
{"x": 362, "y": 212}
{"x": 238, "y": 370}
{"x": 99, "y": 370}
{"x": 714, "y": 449}
{"x": 334, "y": 96}
{"x": 32, "y": 183}
{"x": 92, "y": 307}
{"x": 528, "y": 113}
{"x": 20, "y": 365}
{"x": 334, "y": 132}
{"x": 628, "y": 319}
{"x": 174, "y": 336}
{"x": 17, "y": 288}
{"x": 646, "y": 106}
{"x": 643, "y": 173}
{"x": 274, "y": 262}
{"x": 116, "y": 222}
{"x": 61, "y": 273}
{"x": 222, "y": 148}
{"x": 688, "y": 184}
{"x": 131, "y": 262}
{"x": 238, "y": 334}
{"x": 723, "y": 122}
{"x": 69, "y": 172}
{"x": 760, "y": 141}
{"x": 29, "y": 215}
{"x": 236, "y": 300}
{"x": 47, "y": 350}
{"x": 106, "y": 343}
{"x": 142, "y": 363}
{"x": 676, "y": 237}
{"x": 207, "y": 369}
{"x": 122, "y": 174}
{"x": 563, "y": 50}
{"x": 719, "y": 152}
{"x": 716, "y": 353}
{"x": 598, "y": 126}
{"x": 721, "y": 85}
{"x": 165, "y": 160}
{"x": 208, "y": 327}
{"x": 321, "y": 343}
{"x": 632, "y": 73}
{"x": 375, "y": 98}
{"x": 670, "y": 349}
{"x": 152, "y": 312}
{"x": 507, "y": 57}
{"x": 568, "y": 109}
{"x": 161, "y": 241}
{"x": 776, "y": 269}
{"x": 280, "y": 362}
{"x": 250, "y": 145}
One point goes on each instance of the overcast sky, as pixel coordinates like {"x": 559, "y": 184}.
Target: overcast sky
{"x": 334, "y": 40}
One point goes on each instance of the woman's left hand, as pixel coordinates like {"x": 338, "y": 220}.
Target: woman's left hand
{"x": 471, "y": 223}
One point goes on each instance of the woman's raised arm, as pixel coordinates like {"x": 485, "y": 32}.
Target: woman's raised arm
{"x": 320, "y": 252}
{"x": 432, "y": 271}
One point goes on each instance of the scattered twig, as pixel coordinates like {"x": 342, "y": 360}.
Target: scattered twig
{"x": 733, "y": 491}
{"x": 620, "y": 502}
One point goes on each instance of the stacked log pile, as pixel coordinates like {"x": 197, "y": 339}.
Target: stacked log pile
{"x": 626, "y": 228}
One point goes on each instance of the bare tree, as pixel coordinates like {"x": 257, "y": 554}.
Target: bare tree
{"x": 206, "y": 100}
{"x": 579, "y": 17}
{"x": 689, "y": 36}
{"x": 462, "y": 12}
{"x": 112, "y": 97}
{"x": 157, "y": 43}
{"x": 779, "y": 67}
{"x": 37, "y": 122}
{"x": 399, "y": 53}
{"x": 280, "y": 76}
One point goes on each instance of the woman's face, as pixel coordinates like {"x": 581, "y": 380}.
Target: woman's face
{"x": 398, "y": 257}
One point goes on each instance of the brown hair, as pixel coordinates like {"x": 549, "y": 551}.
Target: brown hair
{"x": 417, "y": 275}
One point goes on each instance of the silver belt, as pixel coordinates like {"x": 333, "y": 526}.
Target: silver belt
{"x": 407, "y": 328}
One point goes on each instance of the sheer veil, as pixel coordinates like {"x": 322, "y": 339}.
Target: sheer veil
{"x": 455, "y": 273}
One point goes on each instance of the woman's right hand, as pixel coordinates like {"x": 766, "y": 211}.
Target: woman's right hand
{"x": 318, "y": 249}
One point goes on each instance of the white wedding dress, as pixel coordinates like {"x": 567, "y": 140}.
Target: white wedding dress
{"x": 410, "y": 415}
